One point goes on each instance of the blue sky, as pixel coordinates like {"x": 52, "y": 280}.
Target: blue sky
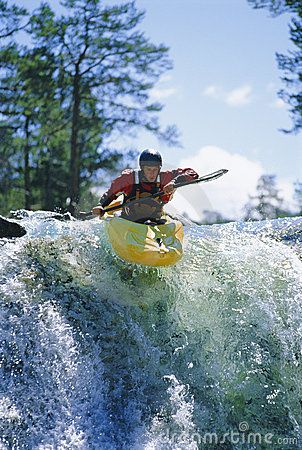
{"x": 226, "y": 45}
{"x": 222, "y": 95}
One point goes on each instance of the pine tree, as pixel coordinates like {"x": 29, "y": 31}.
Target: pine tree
{"x": 298, "y": 196}
{"x": 84, "y": 78}
{"x": 11, "y": 186}
{"x": 210, "y": 217}
{"x": 27, "y": 104}
{"x": 266, "y": 204}
{"x": 107, "y": 69}
{"x": 12, "y": 19}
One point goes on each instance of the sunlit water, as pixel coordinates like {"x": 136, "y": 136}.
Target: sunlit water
{"x": 100, "y": 354}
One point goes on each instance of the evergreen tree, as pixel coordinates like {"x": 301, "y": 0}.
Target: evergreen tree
{"x": 107, "y": 69}
{"x": 11, "y": 187}
{"x": 27, "y": 103}
{"x": 11, "y": 190}
{"x": 211, "y": 217}
{"x": 290, "y": 64}
{"x": 298, "y": 195}
{"x": 266, "y": 204}
{"x": 11, "y": 19}
{"x": 84, "y": 78}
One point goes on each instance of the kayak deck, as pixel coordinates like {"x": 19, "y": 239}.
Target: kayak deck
{"x": 150, "y": 245}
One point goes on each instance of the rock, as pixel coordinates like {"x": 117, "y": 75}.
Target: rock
{"x": 10, "y": 229}
{"x": 65, "y": 216}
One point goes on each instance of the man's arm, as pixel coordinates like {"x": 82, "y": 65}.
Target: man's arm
{"x": 121, "y": 185}
{"x": 181, "y": 175}
{"x": 172, "y": 177}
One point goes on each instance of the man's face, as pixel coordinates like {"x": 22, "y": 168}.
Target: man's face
{"x": 151, "y": 172}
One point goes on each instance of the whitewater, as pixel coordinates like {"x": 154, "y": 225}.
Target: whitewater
{"x": 98, "y": 354}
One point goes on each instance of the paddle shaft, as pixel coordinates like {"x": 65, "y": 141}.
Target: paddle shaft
{"x": 205, "y": 178}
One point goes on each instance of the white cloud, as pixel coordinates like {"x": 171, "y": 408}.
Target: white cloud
{"x": 165, "y": 78}
{"x": 227, "y": 194}
{"x": 161, "y": 92}
{"x": 278, "y": 104}
{"x": 212, "y": 91}
{"x": 158, "y": 94}
{"x": 239, "y": 96}
{"x": 286, "y": 188}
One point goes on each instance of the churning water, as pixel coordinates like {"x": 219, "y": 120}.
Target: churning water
{"x": 100, "y": 354}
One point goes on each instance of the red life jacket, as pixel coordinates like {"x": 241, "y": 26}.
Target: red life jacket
{"x": 138, "y": 188}
{"x": 145, "y": 209}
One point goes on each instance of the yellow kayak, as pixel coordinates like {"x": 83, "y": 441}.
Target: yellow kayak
{"x": 150, "y": 245}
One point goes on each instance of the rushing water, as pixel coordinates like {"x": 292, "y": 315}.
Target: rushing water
{"x": 100, "y": 354}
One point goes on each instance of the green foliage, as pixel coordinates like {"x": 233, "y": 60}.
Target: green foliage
{"x": 11, "y": 17}
{"x": 266, "y": 204}
{"x": 277, "y": 7}
{"x": 85, "y": 78}
{"x": 11, "y": 195}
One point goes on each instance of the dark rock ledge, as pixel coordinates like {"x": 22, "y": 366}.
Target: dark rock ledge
{"x": 10, "y": 228}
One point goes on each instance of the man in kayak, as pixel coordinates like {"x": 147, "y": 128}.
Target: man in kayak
{"x": 137, "y": 185}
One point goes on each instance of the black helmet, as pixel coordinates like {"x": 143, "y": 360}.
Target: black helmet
{"x": 150, "y": 157}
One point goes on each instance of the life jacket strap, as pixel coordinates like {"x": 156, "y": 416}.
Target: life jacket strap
{"x": 136, "y": 183}
{"x": 137, "y": 190}
{"x": 137, "y": 173}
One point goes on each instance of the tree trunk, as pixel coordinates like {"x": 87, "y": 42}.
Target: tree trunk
{"x": 74, "y": 148}
{"x": 27, "y": 187}
{"x": 48, "y": 200}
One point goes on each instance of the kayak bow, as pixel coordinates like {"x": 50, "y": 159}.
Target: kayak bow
{"x": 149, "y": 245}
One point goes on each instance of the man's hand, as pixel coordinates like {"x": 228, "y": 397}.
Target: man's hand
{"x": 169, "y": 188}
{"x": 98, "y": 211}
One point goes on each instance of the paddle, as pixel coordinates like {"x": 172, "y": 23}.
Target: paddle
{"x": 203, "y": 179}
